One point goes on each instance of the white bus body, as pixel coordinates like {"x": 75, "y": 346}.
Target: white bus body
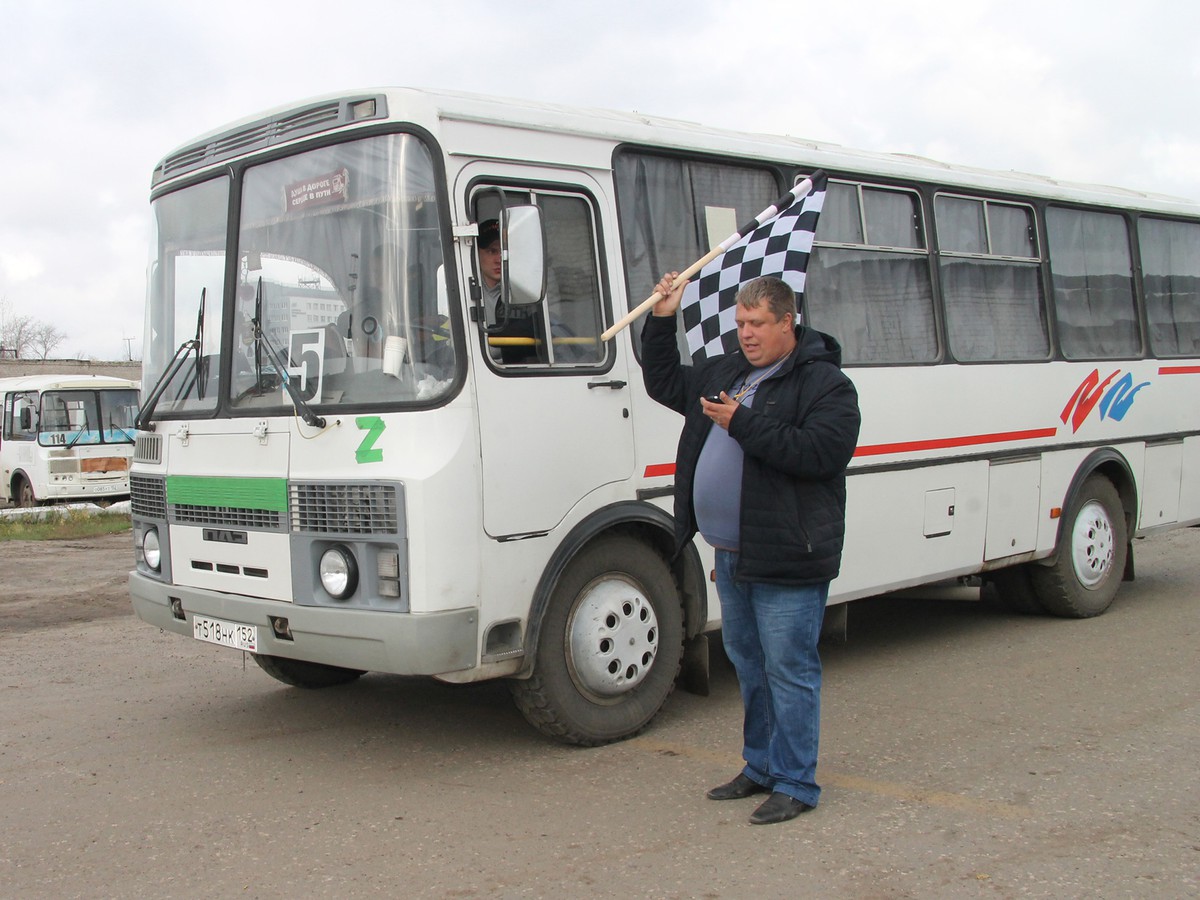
{"x": 66, "y": 437}
{"x": 480, "y": 490}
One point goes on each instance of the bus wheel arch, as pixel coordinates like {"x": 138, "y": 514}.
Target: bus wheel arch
{"x": 646, "y": 523}
{"x": 607, "y": 630}
{"x": 1093, "y": 552}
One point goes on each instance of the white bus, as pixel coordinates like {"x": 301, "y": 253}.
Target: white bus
{"x": 349, "y": 462}
{"x": 66, "y": 437}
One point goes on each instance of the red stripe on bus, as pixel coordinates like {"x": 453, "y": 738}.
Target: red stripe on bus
{"x": 660, "y": 470}
{"x": 970, "y": 440}
{"x": 1179, "y": 370}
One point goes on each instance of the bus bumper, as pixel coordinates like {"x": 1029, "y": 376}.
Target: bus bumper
{"x": 373, "y": 641}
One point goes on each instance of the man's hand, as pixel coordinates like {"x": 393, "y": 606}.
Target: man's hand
{"x": 721, "y": 412}
{"x": 670, "y": 302}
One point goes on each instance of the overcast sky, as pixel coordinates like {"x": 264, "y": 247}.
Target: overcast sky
{"x": 93, "y": 94}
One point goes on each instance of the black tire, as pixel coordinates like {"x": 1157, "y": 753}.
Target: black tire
{"x": 22, "y": 493}
{"x": 610, "y": 646}
{"x": 1093, "y": 548}
{"x": 1012, "y": 589}
{"x": 303, "y": 674}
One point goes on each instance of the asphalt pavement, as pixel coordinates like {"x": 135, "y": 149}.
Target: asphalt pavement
{"x": 966, "y": 752}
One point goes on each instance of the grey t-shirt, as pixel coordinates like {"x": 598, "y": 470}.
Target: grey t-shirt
{"x": 717, "y": 489}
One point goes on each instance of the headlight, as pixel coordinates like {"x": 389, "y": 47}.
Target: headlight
{"x": 339, "y": 572}
{"x": 150, "y": 548}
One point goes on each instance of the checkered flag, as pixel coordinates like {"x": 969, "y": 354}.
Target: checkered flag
{"x": 776, "y": 243}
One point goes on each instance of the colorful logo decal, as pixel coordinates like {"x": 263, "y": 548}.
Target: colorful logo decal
{"x": 1114, "y": 400}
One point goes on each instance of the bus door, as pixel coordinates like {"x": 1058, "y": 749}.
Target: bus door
{"x": 21, "y": 426}
{"x": 553, "y": 399}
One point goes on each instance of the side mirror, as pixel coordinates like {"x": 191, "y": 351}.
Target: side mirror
{"x": 524, "y": 245}
{"x": 27, "y": 419}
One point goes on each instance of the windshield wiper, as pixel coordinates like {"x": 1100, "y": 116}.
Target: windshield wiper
{"x": 142, "y": 422}
{"x": 200, "y": 374}
{"x": 261, "y": 341}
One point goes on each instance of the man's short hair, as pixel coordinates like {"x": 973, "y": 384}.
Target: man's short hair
{"x": 777, "y": 294}
{"x": 489, "y": 232}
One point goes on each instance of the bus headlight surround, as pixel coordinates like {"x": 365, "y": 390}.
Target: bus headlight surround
{"x": 339, "y": 572}
{"x": 151, "y": 550}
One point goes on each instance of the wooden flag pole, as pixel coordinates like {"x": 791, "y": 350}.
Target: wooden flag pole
{"x": 645, "y": 306}
{"x": 800, "y": 190}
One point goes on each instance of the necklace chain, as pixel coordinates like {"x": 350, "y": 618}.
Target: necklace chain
{"x": 749, "y": 387}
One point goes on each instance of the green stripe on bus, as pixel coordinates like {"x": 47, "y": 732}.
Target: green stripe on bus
{"x": 238, "y": 493}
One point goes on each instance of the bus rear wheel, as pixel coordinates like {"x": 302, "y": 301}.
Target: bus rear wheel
{"x": 610, "y": 646}
{"x": 1013, "y": 590}
{"x": 303, "y": 674}
{"x": 1093, "y": 549}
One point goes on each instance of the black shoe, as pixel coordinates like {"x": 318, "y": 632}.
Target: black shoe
{"x": 778, "y": 808}
{"x": 737, "y": 789}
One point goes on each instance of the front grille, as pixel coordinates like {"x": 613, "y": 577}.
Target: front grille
{"x": 184, "y": 514}
{"x": 148, "y": 497}
{"x": 344, "y": 508}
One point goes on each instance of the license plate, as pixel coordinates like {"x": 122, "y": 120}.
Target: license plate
{"x": 227, "y": 634}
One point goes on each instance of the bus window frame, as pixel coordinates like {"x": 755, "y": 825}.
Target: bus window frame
{"x": 1041, "y": 263}
{"x": 236, "y": 171}
{"x": 1151, "y": 348}
{"x": 924, "y": 207}
{"x": 783, "y": 174}
{"x": 528, "y": 189}
{"x": 1128, "y": 220}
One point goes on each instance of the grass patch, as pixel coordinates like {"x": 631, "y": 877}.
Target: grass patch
{"x": 67, "y": 525}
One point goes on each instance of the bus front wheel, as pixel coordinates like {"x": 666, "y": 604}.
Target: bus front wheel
{"x": 1091, "y": 556}
{"x": 303, "y": 674}
{"x": 22, "y": 492}
{"x": 610, "y": 646}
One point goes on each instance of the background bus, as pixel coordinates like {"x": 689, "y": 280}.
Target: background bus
{"x": 1026, "y": 354}
{"x": 66, "y": 437}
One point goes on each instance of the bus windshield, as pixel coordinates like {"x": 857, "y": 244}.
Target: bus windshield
{"x": 187, "y": 272}
{"x": 340, "y": 263}
{"x": 338, "y": 278}
{"x": 73, "y": 417}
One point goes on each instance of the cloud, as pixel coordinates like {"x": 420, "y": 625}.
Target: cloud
{"x": 95, "y": 94}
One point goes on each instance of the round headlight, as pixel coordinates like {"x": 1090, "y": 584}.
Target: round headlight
{"x": 150, "y": 548}
{"x": 339, "y": 572}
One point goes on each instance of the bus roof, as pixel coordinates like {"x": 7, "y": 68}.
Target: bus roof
{"x": 51, "y": 382}
{"x": 467, "y": 123}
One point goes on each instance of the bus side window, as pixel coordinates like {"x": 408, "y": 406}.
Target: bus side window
{"x": 573, "y": 297}
{"x": 564, "y": 329}
{"x": 18, "y": 417}
{"x": 1091, "y": 269}
{"x": 869, "y": 282}
{"x": 1171, "y": 266}
{"x": 990, "y": 269}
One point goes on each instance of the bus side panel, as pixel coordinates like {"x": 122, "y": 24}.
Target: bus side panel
{"x": 1189, "y": 488}
{"x": 1161, "y": 482}
{"x": 916, "y": 525}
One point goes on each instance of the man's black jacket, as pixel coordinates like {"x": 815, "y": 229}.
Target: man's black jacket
{"x": 797, "y": 440}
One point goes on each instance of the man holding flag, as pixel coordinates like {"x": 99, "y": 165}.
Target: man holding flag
{"x": 769, "y": 428}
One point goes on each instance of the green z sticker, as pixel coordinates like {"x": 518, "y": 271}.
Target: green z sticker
{"x": 367, "y": 452}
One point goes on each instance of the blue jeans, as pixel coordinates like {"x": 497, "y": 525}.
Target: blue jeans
{"x": 770, "y": 633}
